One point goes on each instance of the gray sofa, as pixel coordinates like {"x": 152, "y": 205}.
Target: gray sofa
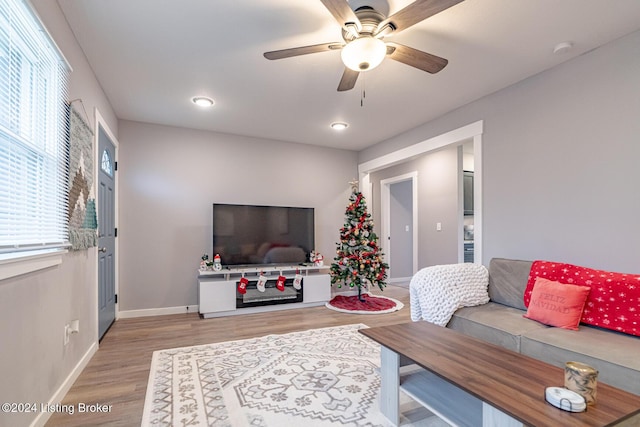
{"x": 615, "y": 355}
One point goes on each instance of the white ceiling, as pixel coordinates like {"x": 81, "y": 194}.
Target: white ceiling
{"x": 152, "y": 56}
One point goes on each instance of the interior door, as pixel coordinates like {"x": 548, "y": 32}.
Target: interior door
{"x": 399, "y": 215}
{"x": 106, "y": 233}
{"x": 401, "y": 229}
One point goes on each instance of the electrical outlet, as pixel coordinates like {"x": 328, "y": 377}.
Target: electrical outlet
{"x": 72, "y": 327}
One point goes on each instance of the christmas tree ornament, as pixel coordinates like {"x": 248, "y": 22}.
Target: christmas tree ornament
{"x": 242, "y": 285}
{"x": 280, "y": 283}
{"x": 262, "y": 281}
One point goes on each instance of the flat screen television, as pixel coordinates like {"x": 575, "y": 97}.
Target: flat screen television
{"x": 249, "y": 235}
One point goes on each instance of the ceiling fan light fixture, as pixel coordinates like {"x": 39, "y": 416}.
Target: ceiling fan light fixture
{"x": 364, "y": 53}
{"x": 202, "y": 101}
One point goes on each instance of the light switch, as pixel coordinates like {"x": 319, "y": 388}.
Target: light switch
{"x": 406, "y": 228}
{"x": 438, "y": 226}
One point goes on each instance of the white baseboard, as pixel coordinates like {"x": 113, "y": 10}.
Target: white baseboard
{"x": 64, "y": 388}
{"x": 157, "y": 311}
{"x": 399, "y": 279}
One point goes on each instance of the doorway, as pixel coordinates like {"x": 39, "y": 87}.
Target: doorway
{"x": 467, "y": 222}
{"x": 107, "y": 232}
{"x": 456, "y": 137}
{"x": 400, "y": 225}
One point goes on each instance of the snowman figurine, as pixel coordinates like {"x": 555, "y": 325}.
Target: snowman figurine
{"x": 318, "y": 260}
{"x": 217, "y": 263}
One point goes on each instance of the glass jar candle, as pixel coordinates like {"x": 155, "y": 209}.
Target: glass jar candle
{"x": 583, "y": 379}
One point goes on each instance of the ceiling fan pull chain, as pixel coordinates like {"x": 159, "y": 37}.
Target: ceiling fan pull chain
{"x": 363, "y": 94}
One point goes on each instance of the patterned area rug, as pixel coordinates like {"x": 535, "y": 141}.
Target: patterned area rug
{"x": 319, "y": 377}
{"x": 372, "y": 304}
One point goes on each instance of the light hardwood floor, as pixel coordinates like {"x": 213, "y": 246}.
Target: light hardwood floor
{"x": 117, "y": 374}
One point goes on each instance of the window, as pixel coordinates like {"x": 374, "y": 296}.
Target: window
{"x": 34, "y": 152}
{"x": 106, "y": 163}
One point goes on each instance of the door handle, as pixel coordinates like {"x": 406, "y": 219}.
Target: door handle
{"x": 103, "y": 249}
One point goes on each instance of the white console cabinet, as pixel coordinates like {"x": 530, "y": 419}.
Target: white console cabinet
{"x": 217, "y": 290}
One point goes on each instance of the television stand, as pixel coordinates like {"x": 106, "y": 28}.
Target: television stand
{"x": 218, "y": 295}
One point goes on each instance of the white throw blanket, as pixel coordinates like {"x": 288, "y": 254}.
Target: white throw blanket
{"x": 437, "y": 292}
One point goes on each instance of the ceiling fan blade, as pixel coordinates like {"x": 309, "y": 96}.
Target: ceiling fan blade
{"x": 416, "y": 12}
{"x": 348, "y": 80}
{"x": 343, "y": 13}
{"x": 416, "y": 58}
{"x": 304, "y": 50}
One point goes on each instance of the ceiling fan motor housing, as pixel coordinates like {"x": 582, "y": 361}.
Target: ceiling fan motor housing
{"x": 369, "y": 20}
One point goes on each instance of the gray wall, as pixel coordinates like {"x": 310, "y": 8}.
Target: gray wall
{"x": 560, "y": 155}
{"x": 35, "y": 307}
{"x": 169, "y": 179}
{"x": 437, "y": 202}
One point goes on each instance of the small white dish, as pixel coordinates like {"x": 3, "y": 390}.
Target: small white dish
{"x": 565, "y": 399}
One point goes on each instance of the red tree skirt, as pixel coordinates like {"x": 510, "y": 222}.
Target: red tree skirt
{"x": 371, "y": 304}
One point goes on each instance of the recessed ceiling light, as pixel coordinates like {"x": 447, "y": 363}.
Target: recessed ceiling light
{"x": 563, "y": 47}
{"x": 202, "y": 101}
{"x": 339, "y": 126}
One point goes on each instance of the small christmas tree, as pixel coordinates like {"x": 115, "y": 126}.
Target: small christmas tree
{"x": 358, "y": 257}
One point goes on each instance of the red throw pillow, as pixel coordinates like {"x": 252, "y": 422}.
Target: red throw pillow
{"x": 557, "y": 304}
{"x": 614, "y": 300}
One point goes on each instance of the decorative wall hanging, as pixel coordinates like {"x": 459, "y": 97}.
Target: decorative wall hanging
{"x": 82, "y": 204}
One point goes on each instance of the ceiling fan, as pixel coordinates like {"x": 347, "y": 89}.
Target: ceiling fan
{"x": 363, "y": 31}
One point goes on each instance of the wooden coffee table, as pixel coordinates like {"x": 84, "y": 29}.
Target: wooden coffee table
{"x": 469, "y": 382}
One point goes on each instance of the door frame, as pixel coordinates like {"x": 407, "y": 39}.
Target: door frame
{"x": 102, "y": 123}
{"x": 448, "y": 139}
{"x": 385, "y": 211}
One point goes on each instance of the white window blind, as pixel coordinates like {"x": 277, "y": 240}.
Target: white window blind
{"x": 34, "y": 153}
